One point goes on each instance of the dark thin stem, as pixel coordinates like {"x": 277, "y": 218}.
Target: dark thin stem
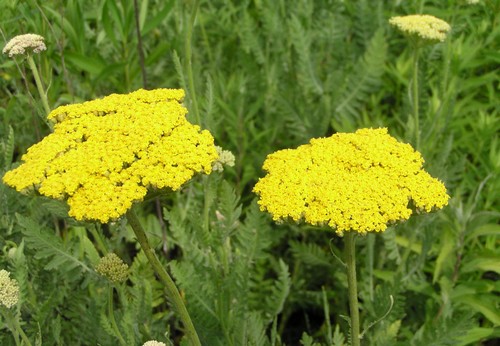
{"x": 350, "y": 261}
{"x": 172, "y": 291}
{"x": 140, "y": 47}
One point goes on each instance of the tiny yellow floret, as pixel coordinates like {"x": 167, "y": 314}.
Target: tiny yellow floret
{"x": 426, "y": 27}
{"x": 105, "y": 154}
{"x": 361, "y": 182}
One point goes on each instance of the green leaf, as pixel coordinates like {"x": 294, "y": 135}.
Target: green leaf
{"x": 280, "y": 290}
{"x": 158, "y": 18}
{"x": 86, "y": 63}
{"x": 311, "y": 254}
{"x": 484, "y": 261}
{"x": 487, "y": 229}
{"x": 447, "y": 245}
{"x": 8, "y": 149}
{"x": 486, "y": 304}
{"x": 364, "y": 81}
{"x": 475, "y": 335}
{"x": 49, "y": 247}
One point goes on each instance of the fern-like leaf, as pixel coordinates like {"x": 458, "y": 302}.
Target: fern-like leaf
{"x": 50, "y": 247}
{"x": 311, "y": 254}
{"x": 8, "y": 149}
{"x": 363, "y": 81}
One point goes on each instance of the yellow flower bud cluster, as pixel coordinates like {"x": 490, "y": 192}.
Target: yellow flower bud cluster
{"x": 113, "y": 268}
{"x": 360, "y": 182}
{"x": 423, "y": 26}
{"x": 9, "y": 290}
{"x": 105, "y": 154}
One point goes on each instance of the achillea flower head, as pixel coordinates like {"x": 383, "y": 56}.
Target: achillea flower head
{"x": 472, "y": 2}
{"x": 9, "y": 289}
{"x": 113, "y": 268}
{"x": 226, "y": 158}
{"x": 105, "y": 154}
{"x": 154, "y": 343}
{"x": 358, "y": 182}
{"x": 22, "y": 44}
{"x": 425, "y": 27}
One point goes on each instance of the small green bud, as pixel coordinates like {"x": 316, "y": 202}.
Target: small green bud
{"x": 113, "y": 268}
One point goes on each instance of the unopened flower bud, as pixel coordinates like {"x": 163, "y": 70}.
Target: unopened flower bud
{"x": 113, "y": 268}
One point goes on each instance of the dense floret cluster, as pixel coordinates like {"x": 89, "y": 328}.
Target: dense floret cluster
{"x": 359, "y": 182}
{"x": 105, "y": 154}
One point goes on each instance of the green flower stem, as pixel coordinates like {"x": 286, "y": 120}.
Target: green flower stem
{"x": 112, "y": 317}
{"x": 38, "y": 83}
{"x": 350, "y": 261}
{"x": 188, "y": 45}
{"x": 416, "y": 118}
{"x": 16, "y": 328}
{"x": 172, "y": 291}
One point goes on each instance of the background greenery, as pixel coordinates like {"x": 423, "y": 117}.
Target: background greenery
{"x": 262, "y": 75}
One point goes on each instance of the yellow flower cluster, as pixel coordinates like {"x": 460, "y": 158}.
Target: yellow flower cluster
{"x": 105, "y": 154}
{"x": 423, "y": 26}
{"x": 359, "y": 182}
{"x": 113, "y": 268}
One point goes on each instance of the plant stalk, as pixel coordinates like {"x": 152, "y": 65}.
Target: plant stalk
{"x": 188, "y": 51}
{"x": 350, "y": 261}
{"x": 112, "y": 317}
{"x": 172, "y": 291}
{"x": 39, "y": 84}
{"x": 415, "y": 96}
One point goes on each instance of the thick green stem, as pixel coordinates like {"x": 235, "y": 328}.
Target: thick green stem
{"x": 188, "y": 45}
{"x": 172, "y": 291}
{"x": 350, "y": 261}
{"x": 415, "y": 101}
{"x": 112, "y": 317}
{"x": 39, "y": 84}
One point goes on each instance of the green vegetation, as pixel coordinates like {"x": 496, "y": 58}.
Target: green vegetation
{"x": 261, "y": 76}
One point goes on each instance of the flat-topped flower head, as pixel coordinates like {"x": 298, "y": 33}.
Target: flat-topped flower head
{"x": 24, "y": 44}
{"x": 424, "y": 27}
{"x": 105, "y": 154}
{"x": 361, "y": 182}
{"x": 9, "y": 290}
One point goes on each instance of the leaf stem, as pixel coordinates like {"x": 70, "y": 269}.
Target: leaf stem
{"x": 350, "y": 261}
{"x": 172, "y": 291}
